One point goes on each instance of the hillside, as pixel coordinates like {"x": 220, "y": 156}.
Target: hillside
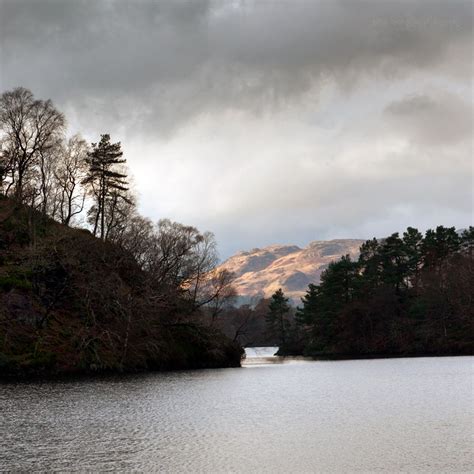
{"x": 260, "y": 272}
{"x": 71, "y": 303}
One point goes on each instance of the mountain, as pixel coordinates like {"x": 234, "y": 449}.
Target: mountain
{"x": 260, "y": 272}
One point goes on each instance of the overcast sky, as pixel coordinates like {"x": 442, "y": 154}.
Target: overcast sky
{"x": 266, "y": 122}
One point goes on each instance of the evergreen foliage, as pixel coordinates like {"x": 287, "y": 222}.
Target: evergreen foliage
{"x": 107, "y": 184}
{"x": 277, "y": 317}
{"x": 409, "y": 295}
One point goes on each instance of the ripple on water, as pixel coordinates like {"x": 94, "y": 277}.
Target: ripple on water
{"x": 368, "y": 415}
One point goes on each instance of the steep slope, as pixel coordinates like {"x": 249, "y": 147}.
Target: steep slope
{"x": 260, "y": 272}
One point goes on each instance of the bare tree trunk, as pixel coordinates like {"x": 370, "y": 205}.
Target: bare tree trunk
{"x": 44, "y": 188}
{"x": 102, "y": 210}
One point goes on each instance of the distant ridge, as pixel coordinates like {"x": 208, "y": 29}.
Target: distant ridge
{"x": 261, "y": 271}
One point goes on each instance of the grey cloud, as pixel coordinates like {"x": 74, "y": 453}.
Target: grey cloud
{"x": 179, "y": 59}
{"x": 443, "y": 119}
{"x": 410, "y": 105}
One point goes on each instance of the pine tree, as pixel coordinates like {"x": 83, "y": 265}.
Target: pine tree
{"x": 413, "y": 242}
{"x": 371, "y": 265}
{"x": 278, "y": 311}
{"x": 394, "y": 262}
{"x": 306, "y": 314}
{"x": 107, "y": 184}
{"x": 438, "y": 244}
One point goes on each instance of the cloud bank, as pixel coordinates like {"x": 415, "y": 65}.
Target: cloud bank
{"x": 266, "y": 122}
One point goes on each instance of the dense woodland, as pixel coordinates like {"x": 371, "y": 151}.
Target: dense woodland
{"x": 86, "y": 282}
{"x": 408, "y": 295}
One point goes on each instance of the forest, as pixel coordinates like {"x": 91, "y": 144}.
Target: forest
{"x": 86, "y": 282}
{"x": 405, "y": 295}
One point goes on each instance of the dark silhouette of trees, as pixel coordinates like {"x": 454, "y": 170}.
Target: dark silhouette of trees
{"x": 277, "y": 316}
{"x": 412, "y": 242}
{"x": 181, "y": 259}
{"x": 69, "y": 173}
{"x": 410, "y": 295}
{"x": 217, "y": 293}
{"x": 305, "y": 314}
{"x": 247, "y": 323}
{"x": 322, "y": 303}
{"x": 30, "y": 129}
{"x": 106, "y": 183}
{"x": 178, "y": 256}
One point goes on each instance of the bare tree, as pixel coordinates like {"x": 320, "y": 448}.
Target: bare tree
{"x": 137, "y": 237}
{"x": 69, "y": 173}
{"x": 184, "y": 258}
{"x": 217, "y": 292}
{"x": 201, "y": 263}
{"x": 243, "y": 316}
{"x": 48, "y": 190}
{"x": 6, "y": 166}
{"x": 30, "y": 128}
{"x": 171, "y": 253}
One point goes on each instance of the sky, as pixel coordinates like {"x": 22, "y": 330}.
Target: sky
{"x": 266, "y": 122}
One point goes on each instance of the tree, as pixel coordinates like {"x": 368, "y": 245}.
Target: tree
{"x": 403, "y": 295}
{"x": 370, "y": 264}
{"x": 172, "y": 257}
{"x": 138, "y": 238}
{"x": 68, "y": 175}
{"x": 277, "y": 317}
{"x": 6, "y": 167}
{"x": 217, "y": 292}
{"x": 438, "y": 244}
{"x": 393, "y": 262}
{"x": 106, "y": 184}
{"x": 339, "y": 281}
{"x": 413, "y": 243}
{"x": 305, "y": 315}
{"x": 338, "y": 286}
{"x": 30, "y": 129}
{"x": 467, "y": 242}
{"x": 119, "y": 208}
{"x": 200, "y": 263}
{"x": 180, "y": 257}
{"x": 240, "y": 319}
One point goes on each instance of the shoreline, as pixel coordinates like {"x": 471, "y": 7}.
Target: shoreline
{"x": 245, "y": 362}
{"x": 379, "y": 356}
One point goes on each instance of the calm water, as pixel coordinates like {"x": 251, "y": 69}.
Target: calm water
{"x": 369, "y": 415}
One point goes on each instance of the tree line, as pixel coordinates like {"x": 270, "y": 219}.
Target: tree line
{"x": 409, "y": 294}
